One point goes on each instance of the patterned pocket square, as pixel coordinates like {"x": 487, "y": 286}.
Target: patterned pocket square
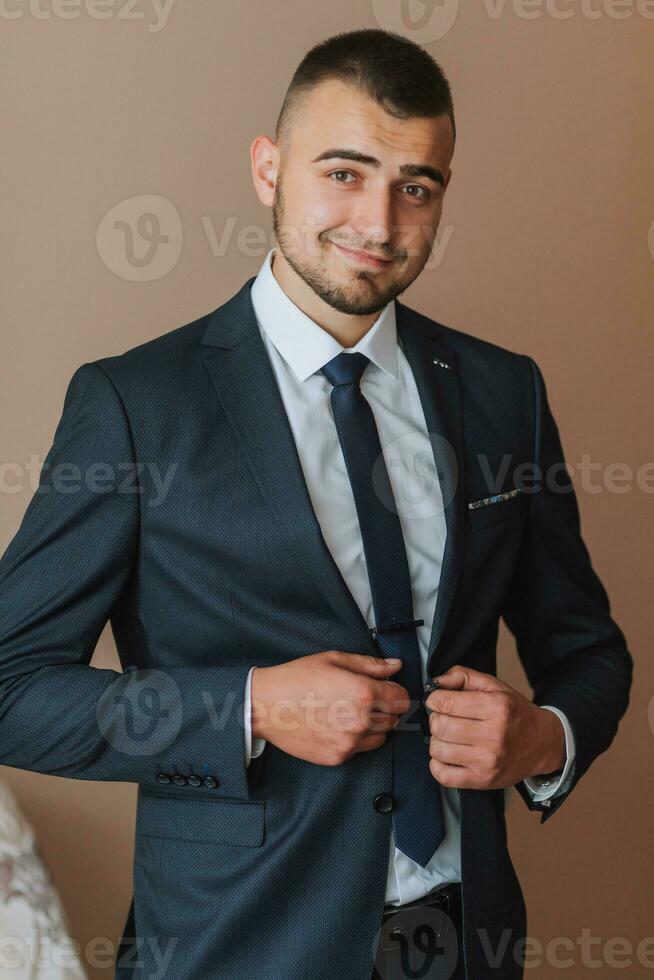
{"x": 495, "y": 499}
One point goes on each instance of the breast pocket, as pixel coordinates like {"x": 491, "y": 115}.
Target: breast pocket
{"x": 490, "y": 511}
{"x": 201, "y": 820}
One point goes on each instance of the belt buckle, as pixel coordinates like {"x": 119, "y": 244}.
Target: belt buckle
{"x": 442, "y": 899}
{"x": 444, "y": 896}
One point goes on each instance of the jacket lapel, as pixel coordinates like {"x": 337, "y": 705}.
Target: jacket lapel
{"x": 439, "y": 389}
{"x": 239, "y": 366}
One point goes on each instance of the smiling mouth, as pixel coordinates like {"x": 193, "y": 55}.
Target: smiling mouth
{"x": 363, "y": 258}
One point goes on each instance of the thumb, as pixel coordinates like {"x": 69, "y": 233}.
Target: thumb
{"x": 459, "y": 678}
{"x": 364, "y": 663}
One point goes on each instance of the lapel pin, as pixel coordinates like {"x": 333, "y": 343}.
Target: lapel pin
{"x": 441, "y": 363}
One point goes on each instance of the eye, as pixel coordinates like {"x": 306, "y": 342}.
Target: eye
{"x": 424, "y": 196}
{"x": 346, "y": 172}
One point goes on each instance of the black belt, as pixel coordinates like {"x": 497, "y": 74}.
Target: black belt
{"x": 447, "y": 897}
{"x": 441, "y": 935}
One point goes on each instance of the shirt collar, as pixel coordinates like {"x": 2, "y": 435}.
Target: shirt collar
{"x": 303, "y": 344}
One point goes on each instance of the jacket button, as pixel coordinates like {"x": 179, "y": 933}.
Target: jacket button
{"x": 162, "y": 777}
{"x": 179, "y": 780}
{"x": 383, "y": 803}
{"x": 194, "y": 780}
{"x": 210, "y": 782}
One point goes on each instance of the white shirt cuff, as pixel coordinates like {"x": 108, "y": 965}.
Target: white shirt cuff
{"x": 251, "y": 750}
{"x": 541, "y": 789}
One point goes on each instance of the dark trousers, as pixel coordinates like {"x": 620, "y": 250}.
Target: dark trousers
{"x": 422, "y": 940}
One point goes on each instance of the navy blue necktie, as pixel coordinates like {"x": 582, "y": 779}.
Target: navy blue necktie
{"x": 418, "y": 826}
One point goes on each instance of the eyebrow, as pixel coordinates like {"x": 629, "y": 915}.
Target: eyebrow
{"x": 406, "y": 169}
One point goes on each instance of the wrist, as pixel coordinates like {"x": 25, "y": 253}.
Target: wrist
{"x": 553, "y": 754}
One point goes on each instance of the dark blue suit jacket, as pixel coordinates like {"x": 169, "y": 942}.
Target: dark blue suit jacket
{"x": 277, "y": 870}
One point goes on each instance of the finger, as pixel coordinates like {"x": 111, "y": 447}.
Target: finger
{"x": 379, "y": 721}
{"x": 454, "y": 754}
{"x": 393, "y": 696}
{"x": 365, "y": 663}
{"x": 465, "y": 731}
{"x": 372, "y": 741}
{"x": 459, "y": 777}
{"x": 450, "y": 680}
{"x": 466, "y": 678}
{"x": 464, "y": 704}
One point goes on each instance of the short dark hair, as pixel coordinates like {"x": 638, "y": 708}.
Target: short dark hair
{"x": 397, "y": 73}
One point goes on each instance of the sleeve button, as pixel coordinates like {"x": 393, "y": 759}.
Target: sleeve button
{"x": 162, "y": 777}
{"x": 210, "y": 782}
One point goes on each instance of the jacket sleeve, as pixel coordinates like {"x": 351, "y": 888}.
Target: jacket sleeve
{"x": 574, "y": 654}
{"x": 60, "y": 577}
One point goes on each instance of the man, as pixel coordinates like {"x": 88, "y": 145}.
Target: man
{"x": 338, "y": 526}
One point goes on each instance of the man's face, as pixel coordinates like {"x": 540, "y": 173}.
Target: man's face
{"x": 328, "y": 207}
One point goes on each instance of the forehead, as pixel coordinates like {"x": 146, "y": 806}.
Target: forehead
{"x": 336, "y": 114}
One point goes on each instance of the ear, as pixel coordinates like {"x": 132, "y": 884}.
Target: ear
{"x": 264, "y": 159}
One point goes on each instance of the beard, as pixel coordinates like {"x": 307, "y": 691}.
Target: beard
{"x": 362, "y": 298}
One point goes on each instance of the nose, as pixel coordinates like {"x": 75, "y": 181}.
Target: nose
{"x": 374, "y": 220}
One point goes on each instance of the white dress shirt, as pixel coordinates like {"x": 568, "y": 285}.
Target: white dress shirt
{"x": 298, "y": 348}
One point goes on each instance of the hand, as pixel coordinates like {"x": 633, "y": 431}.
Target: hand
{"x": 487, "y": 735}
{"x": 326, "y": 706}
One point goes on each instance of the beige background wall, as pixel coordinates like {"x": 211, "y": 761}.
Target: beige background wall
{"x": 543, "y": 248}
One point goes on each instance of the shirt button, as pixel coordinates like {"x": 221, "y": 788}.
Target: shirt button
{"x": 383, "y": 803}
{"x": 179, "y": 780}
{"x": 162, "y": 777}
{"x": 210, "y": 782}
